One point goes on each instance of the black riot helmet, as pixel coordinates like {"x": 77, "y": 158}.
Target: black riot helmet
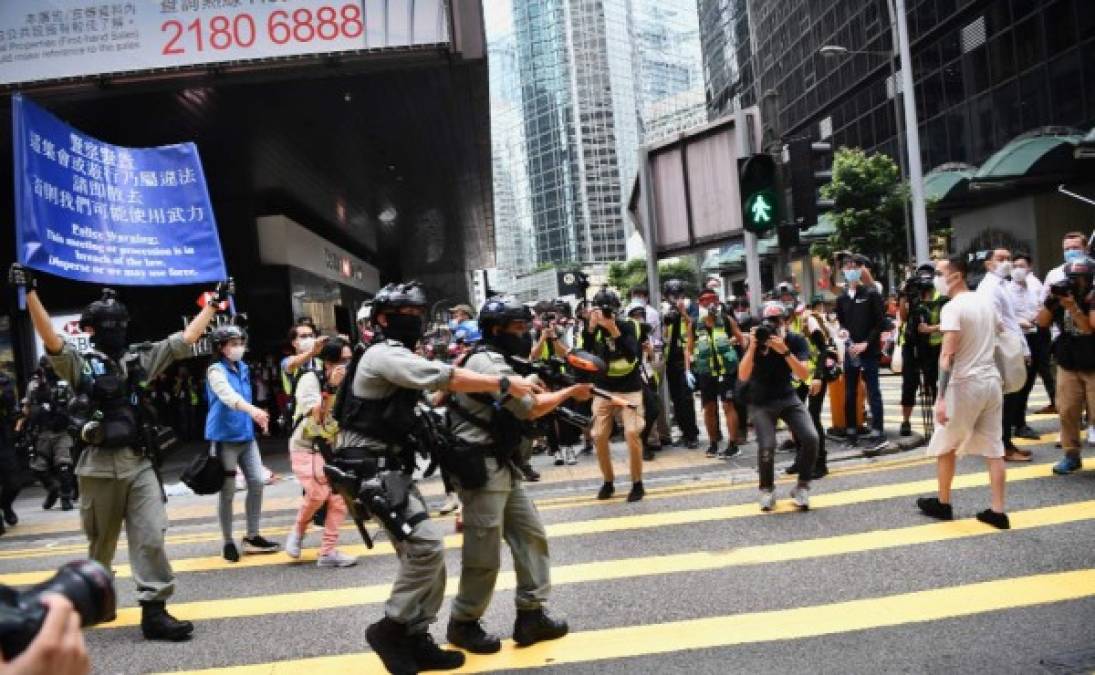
{"x": 393, "y": 296}
{"x": 223, "y": 334}
{"x": 106, "y": 312}
{"x": 673, "y": 288}
{"x": 498, "y": 311}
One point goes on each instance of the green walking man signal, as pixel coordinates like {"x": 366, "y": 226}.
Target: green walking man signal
{"x": 758, "y": 183}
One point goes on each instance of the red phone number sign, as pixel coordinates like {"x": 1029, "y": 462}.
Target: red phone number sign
{"x": 243, "y": 31}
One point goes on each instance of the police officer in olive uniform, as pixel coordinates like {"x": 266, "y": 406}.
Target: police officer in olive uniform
{"x": 117, "y": 479}
{"x": 495, "y": 503}
{"x": 377, "y": 420}
{"x": 47, "y": 399}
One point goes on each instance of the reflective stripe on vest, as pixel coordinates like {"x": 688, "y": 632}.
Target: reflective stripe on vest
{"x": 622, "y": 367}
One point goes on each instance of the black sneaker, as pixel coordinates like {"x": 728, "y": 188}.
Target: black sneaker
{"x": 667, "y": 442}
{"x": 713, "y": 450}
{"x": 428, "y": 656}
{"x": 51, "y": 499}
{"x": 732, "y": 450}
{"x": 931, "y": 506}
{"x": 637, "y": 492}
{"x": 66, "y": 504}
{"x": 998, "y": 520}
{"x": 692, "y": 443}
{"x": 9, "y": 516}
{"x": 1027, "y": 433}
{"x": 558, "y": 462}
{"x": 792, "y": 469}
{"x": 470, "y": 635}
{"x": 648, "y": 454}
{"x": 788, "y": 445}
{"x": 231, "y": 553}
{"x": 530, "y": 474}
{"x": 587, "y": 449}
{"x": 259, "y": 544}
{"x": 606, "y": 491}
{"x": 535, "y": 625}
{"x": 906, "y": 429}
{"x": 820, "y": 471}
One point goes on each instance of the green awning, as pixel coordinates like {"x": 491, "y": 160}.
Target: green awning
{"x": 938, "y": 185}
{"x": 726, "y": 259}
{"x": 1029, "y": 156}
{"x": 768, "y": 246}
{"x": 825, "y": 228}
{"x": 1086, "y": 148}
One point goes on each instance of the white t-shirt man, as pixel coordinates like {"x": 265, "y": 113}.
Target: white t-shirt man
{"x": 993, "y": 287}
{"x": 974, "y": 398}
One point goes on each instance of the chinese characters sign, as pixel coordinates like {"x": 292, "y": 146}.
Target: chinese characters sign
{"x": 92, "y": 211}
{"x": 46, "y": 39}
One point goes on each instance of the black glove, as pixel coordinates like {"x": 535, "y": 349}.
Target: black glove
{"x": 224, "y": 290}
{"x": 21, "y": 275}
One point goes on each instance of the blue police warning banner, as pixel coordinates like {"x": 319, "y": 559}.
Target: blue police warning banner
{"x": 96, "y": 212}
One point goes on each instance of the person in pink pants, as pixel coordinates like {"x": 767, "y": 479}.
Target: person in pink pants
{"x": 312, "y": 420}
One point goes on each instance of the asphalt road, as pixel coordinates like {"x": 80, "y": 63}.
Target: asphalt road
{"x": 694, "y": 578}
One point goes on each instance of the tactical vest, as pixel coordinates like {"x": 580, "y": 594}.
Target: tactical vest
{"x": 714, "y": 353}
{"x": 621, "y": 367}
{"x": 111, "y": 397}
{"x": 390, "y": 420}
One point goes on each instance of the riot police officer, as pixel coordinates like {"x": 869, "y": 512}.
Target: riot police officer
{"x": 377, "y": 417}
{"x": 491, "y": 427}
{"x": 48, "y": 398}
{"x": 115, "y": 473}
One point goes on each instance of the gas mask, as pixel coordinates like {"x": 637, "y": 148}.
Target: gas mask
{"x": 405, "y": 328}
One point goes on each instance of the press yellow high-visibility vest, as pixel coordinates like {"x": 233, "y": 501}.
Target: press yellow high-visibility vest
{"x": 622, "y": 367}
{"x": 714, "y": 354}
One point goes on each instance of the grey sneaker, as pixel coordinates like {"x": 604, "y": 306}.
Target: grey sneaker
{"x": 292, "y": 543}
{"x": 336, "y": 559}
{"x": 767, "y": 500}
{"x": 569, "y": 456}
{"x": 801, "y": 496}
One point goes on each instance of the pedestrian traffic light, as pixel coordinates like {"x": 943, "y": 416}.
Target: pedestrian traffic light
{"x": 808, "y": 164}
{"x": 758, "y": 183}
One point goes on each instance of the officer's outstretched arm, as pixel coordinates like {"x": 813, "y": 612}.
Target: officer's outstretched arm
{"x": 40, "y": 318}
{"x": 549, "y": 401}
{"x": 470, "y": 382}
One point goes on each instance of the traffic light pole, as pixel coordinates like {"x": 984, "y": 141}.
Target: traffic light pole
{"x": 752, "y": 260}
{"x": 912, "y": 137}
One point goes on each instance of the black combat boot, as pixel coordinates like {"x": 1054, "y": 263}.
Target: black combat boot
{"x": 389, "y": 640}
{"x": 428, "y": 656}
{"x": 68, "y": 487}
{"x": 470, "y": 635}
{"x": 157, "y": 624}
{"x": 9, "y": 515}
{"x": 53, "y": 490}
{"x": 534, "y": 625}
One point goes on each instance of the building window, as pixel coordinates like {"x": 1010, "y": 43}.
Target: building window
{"x": 1064, "y": 77}
{"x": 1060, "y": 23}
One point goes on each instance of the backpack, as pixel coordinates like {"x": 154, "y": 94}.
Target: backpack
{"x": 288, "y": 419}
{"x": 205, "y": 475}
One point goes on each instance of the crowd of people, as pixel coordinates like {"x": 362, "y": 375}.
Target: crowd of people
{"x": 562, "y": 377}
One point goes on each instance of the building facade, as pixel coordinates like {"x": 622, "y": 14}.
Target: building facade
{"x": 985, "y": 71}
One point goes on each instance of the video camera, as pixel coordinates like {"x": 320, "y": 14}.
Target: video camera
{"x": 86, "y": 584}
{"x": 1064, "y": 288}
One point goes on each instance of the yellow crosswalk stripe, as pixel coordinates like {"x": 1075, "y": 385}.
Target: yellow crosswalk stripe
{"x": 549, "y": 504}
{"x": 630, "y": 568}
{"x": 738, "y": 629}
{"x": 598, "y": 525}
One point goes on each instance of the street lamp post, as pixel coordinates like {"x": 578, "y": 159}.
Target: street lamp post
{"x": 912, "y": 133}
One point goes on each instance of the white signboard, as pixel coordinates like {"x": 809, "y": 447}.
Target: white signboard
{"x": 48, "y": 39}
{"x": 68, "y": 327}
{"x": 283, "y": 242}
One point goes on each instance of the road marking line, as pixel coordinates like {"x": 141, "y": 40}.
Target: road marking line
{"x": 629, "y": 568}
{"x": 550, "y": 504}
{"x": 594, "y": 526}
{"x": 736, "y": 629}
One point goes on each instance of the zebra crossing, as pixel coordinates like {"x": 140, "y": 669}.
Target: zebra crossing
{"x": 695, "y": 577}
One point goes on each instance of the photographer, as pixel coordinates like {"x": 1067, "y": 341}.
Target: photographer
{"x": 47, "y": 401}
{"x": 715, "y": 365}
{"x": 774, "y": 357}
{"x": 676, "y": 327}
{"x": 496, "y": 506}
{"x": 1070, "y": 306}
{"x": 920, "y": 309}
{"x": 116, "y": 473}
{"x": 549, "y": 343}
{"x": 1026, "y": 296}
{"x": 618, "y": 345}
{"x": 58, "y": 648}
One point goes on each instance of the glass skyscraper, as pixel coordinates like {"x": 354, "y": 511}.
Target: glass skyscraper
{"x": 596, "y": 79}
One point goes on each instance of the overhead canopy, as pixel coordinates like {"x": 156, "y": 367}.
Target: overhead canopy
{"x": 825, "y": 228}
{"x": 1086, "y": 148}
{"x": 1040, "y": 155}
{"x": 728, "y": 259}
{"x": 948, "y": 181}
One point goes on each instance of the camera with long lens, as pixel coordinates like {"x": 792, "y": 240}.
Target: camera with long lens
{"x": 763, "y": 334}
{"x": 1063, "y": 288}
{"x": 86, "y": 584}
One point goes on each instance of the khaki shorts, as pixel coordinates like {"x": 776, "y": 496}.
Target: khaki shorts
{"x": 604, "y": 410}
{"x": 974, "y": 426}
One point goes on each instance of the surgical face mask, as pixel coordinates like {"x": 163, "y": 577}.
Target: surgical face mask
{"x": 1003, "y": 269}
{"x": 941, "y": 285}
{"x": 1074, "y": 255}
{"x": 453, "y": 324}
{"x": 852, "y": 276}
{"x": 306, "y": 344}
{"x": 235, "y": 353}
{"x": 1019, "y": 274}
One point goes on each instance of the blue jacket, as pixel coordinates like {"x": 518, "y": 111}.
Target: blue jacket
{"x": 223, "y": 423}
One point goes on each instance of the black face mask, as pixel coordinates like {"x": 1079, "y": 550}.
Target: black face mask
{"x": 110, "y": 341}
{"x": 513, "y": 345}
{"x": 406, "y": 328}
